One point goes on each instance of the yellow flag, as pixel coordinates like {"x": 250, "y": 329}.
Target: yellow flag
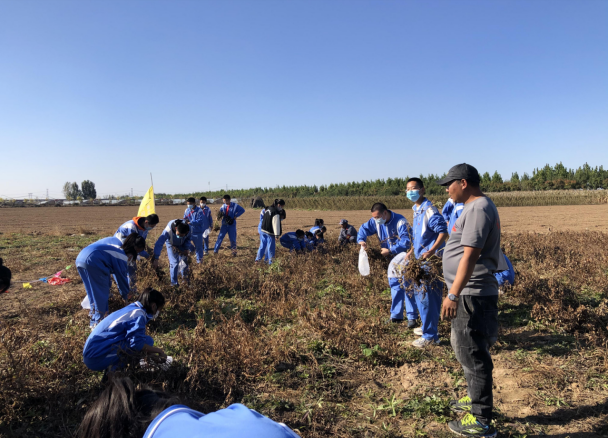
{"x": 147, "y": 206}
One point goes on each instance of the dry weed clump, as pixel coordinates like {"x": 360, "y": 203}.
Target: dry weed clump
{"x": 420, "y": 274}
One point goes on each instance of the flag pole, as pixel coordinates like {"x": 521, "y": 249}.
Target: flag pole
{"x": 151, "y": 179}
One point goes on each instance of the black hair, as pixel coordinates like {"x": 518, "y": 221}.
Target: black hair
{"x": 279, "y": 201}
{"x": 153, "y": 219}
{"x": 150, "y": 296}
{"x": 283, "y": 214}
{"x": 181, "y": 226}
{"x": 299, "y": 233}
{"x": 133, "y": 245}
{"x": 319, "y": 232}
{"x": 226, "y": 197}
{"x": 5, "y": 277}
{"x": 319, "y": 222}
{"x": 123, "y": 411}
{"x": 190, "y": 200}
{"x": 323, "y": 229}
{"x": 417, "y": 180}
{"x": 203, "y": 199}
{"x": 309, "y": 235}
{"x": 379, "y": 207}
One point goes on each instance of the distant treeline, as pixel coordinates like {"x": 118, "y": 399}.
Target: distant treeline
{"x": 546, "y": 178}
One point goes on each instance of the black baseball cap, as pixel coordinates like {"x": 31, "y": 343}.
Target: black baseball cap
{"x": 460, "y": 172}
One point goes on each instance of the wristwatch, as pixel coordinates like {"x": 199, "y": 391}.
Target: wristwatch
{"x": 452, "y": 297}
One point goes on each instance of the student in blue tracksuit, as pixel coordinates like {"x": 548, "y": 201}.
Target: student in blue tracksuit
{"x": 502, "y": 277}
{"x": 430, "y": 233}
{"x": 123, "y": 334}
{"x": 169, "y": 417}
{"x": 261, "y": 250}
{"x": 447, "y": 209}
{"x": 141, "y": 225}
{"x": 177, "y": 239}
{"x": 96, "y": 262}
{"x": 294, "y": 241}
{"x": 310, "y": 241}
{"x": 394, "y": 234}
{"x": 229, "y": 211}
{"x": 208, "y": 222}
{"x": 271, "y": 230}
{"x": 194, "y": 216}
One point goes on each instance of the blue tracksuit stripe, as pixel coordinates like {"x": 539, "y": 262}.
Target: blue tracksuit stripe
{"x": 507, "y": 276}
{"x": 127, "y": 228}
{"x": 454, "y": 215}
{"x": 428, "y": 224}
{"x": 447, "y": 209}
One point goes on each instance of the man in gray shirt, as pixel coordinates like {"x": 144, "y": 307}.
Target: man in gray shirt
{"x": 347, "y": 234}
{"x": 472, "y": 255}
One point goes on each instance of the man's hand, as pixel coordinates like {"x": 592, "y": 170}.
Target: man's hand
{"x": 385, "y": 252}
{"x": 408, "y": 255}
{"x": 363, "y": 245}
{"x": 448, "y": 309}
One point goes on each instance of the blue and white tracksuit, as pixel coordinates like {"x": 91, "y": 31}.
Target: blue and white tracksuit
{"x": 197, "y": 222}
{"x": 95, "y": 263}
{"x": 428, "y": 224}
{"x": 208, "y": 223}
{"x": 314, "y": 243}
{"x": 231, "y": 210}
{"x": 261, "y": 252}
{"x": 171, "y": 240}
{"x": 502, "y": 277}
{"x": 124, "y": 230}
{"x": 395, "y": 236}
{"x": 122, "y": 332}
{"x": 237, "y": 421}
{"x": 447, "y": 209}
{"x": 292, "y": 242}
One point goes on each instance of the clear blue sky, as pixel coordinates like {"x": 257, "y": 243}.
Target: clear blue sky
{"x": 271, "y": 92}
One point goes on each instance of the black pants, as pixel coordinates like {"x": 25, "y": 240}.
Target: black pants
{"x": 474, "y": 331}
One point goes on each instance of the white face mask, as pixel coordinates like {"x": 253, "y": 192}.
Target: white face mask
{"x": 156, "y": 315}
{"x": 202, "y": 204}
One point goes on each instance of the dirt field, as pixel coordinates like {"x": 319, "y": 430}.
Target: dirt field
{"x": 106, "y": 220}
{"x": 315, "y": 350}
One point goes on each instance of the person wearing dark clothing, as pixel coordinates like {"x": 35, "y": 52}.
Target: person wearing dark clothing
{"x": 271, "y": 229}
{"x": 347, "y": 234}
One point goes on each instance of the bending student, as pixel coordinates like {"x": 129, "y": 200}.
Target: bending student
{"x": 124, "y": 411}
{"x": 123, "y": 334}
{"x": 177, "y": 239}
{"x": 96, "y": 262}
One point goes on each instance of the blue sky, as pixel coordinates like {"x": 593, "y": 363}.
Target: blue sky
{"x": 271, "y": 92}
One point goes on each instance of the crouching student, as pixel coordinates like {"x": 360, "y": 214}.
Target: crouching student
{"x": 96, "y": 262}
{"x": 310, "y": 240}
{"x": 177, "y": 239}
{"x": 123, "y": 334}
{"x": 271, "y": 229}
{"x": 122, "y": 410}
{"x": 5, "y": 277}
{"x": 294, "y": 241}
{"x": 430, "y": 233}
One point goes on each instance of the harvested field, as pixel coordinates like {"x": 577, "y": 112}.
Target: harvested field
{"x": 305, "y": 341}
{"x": 106, "y": 220}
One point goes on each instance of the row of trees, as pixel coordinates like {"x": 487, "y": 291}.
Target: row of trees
{"x": 546, "y": 178}
{"x": 86, "y": 192}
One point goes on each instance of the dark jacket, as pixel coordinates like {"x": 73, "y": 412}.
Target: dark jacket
{"x": 271, "y": 221}
{"x": 347, "y": 235}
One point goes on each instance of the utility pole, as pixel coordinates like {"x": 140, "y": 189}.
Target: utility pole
{"x": 208, "y": 187}
{"x": 47, "y": 194}
{"x": 132, "y": 193}
{"x": 30, "y": 195}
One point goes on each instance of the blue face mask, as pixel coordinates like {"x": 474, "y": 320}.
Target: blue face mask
{"x": 380, "y": 221}
{"x": 191, "y": 206}
{"x": 413, "y": 195}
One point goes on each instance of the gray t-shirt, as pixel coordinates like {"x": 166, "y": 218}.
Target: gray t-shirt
{"x": 478, "y": 226}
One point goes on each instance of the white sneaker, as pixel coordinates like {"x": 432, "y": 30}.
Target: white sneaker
{"x": 418, "y": 331}
{"x": 423, "y": 342}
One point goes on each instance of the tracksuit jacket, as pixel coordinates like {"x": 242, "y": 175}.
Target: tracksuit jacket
{"x": 292, "y": 242}
{"x": 197, "y": 220}
{"x": 122, "y": 331}
{"x": 428, "y": 224}
{"x": 394, "y": 235}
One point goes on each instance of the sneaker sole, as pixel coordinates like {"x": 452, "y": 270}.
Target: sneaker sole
{"x": 459, "y": 410}
{"x": 493, "y": 434}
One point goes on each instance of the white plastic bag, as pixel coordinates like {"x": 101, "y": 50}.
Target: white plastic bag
{"x": 85, "y": 303}
{"x": 206, "y": 233}
{"x": 363, "y": 262}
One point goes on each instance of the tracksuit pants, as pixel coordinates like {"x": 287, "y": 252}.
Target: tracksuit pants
{"x": 115, "y": 358}
{"x": 198, "y": 241}
{"x": 225, "y": 229}
{"x": 97, "y": 286}
{"x": 429, "y": 307}
{"x": 175, "y": 259}
{"x": 267, "y": 248}
{"x": 401, "y": 301}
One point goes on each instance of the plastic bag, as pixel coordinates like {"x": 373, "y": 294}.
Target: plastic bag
{"x": 206, "y": 233}
{"x": 85, "y": 303}
{"x": 363, "y": 262}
